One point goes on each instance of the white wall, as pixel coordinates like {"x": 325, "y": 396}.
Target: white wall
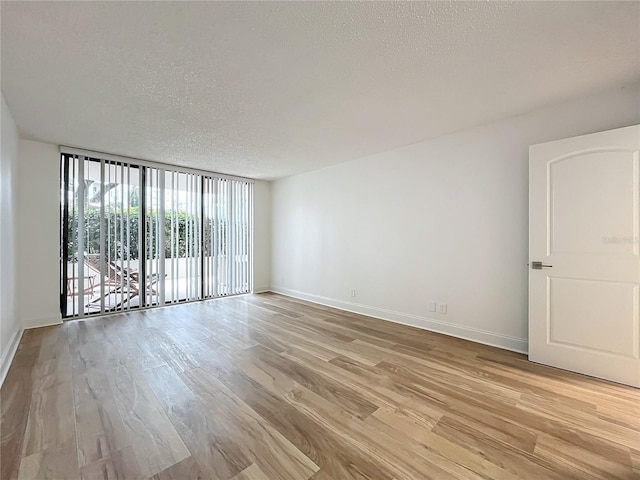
{"x": 10, "y": 326}
{"x": 261, "y": 236}
{"x": 38, "y": 234}
{"x": 443, "y": 220}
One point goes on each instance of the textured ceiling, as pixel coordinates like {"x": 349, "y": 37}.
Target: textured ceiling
{"x": 270, "y": 89}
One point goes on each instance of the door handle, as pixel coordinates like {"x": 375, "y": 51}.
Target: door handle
{"x": 539, "y": 266}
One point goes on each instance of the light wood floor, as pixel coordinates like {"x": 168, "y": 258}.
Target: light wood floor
{"x": 265, "y": 387}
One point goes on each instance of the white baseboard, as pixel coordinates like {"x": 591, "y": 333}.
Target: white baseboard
{"x": 506, "y": 342}
{"x": 43, "y": 322}
{"x": 261, "y": 289}
{"x": 9, "y": 353}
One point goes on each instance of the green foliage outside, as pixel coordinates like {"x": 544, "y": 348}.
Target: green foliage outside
{"x": 122, "y": 234}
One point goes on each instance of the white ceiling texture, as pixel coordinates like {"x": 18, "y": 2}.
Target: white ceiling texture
{"x": 270, "y": 89}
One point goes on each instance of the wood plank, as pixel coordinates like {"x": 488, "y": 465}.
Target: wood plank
{"x": 612, "y": 463}
{"x": 268, "y": 448}
{"x": 499, "y": 452}
{"x": 252, "y": 472}
{"x": 336, "y": 458}
{"x": 351, "y": 431}
{"x": 318, "y": 383}
{"x": 153, "y": 437}
{"x": 117, "y": 465}
{"x": 99, "y": 426}
{"x": 264, "y": 386}
{"x": 15, "y": 396}
{"x": 219, "y": 455}
{"x": 54, "y": 462}
{"x": 412, "y": 424}
{"x": 187, "y": 469}
{"x": 51, "y": 422}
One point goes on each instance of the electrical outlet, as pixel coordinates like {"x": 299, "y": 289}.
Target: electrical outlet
{"x": 353, "y": 292}
{"x": 442, "y": 308}
{"x": 431, "y": 306}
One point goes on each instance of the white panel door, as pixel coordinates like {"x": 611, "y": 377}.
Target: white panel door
{"x": 584, "y": 219}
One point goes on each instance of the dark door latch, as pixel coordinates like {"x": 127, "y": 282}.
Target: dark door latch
{"x": 539, "y": 265}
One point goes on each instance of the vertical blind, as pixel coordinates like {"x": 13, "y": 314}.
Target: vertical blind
{"x": 138, "y": 235}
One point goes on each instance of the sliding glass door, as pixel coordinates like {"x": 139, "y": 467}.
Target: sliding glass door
{"x": 137, "y": 235}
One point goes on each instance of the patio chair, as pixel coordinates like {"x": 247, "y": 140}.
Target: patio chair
{"x": 118, "y": 281}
